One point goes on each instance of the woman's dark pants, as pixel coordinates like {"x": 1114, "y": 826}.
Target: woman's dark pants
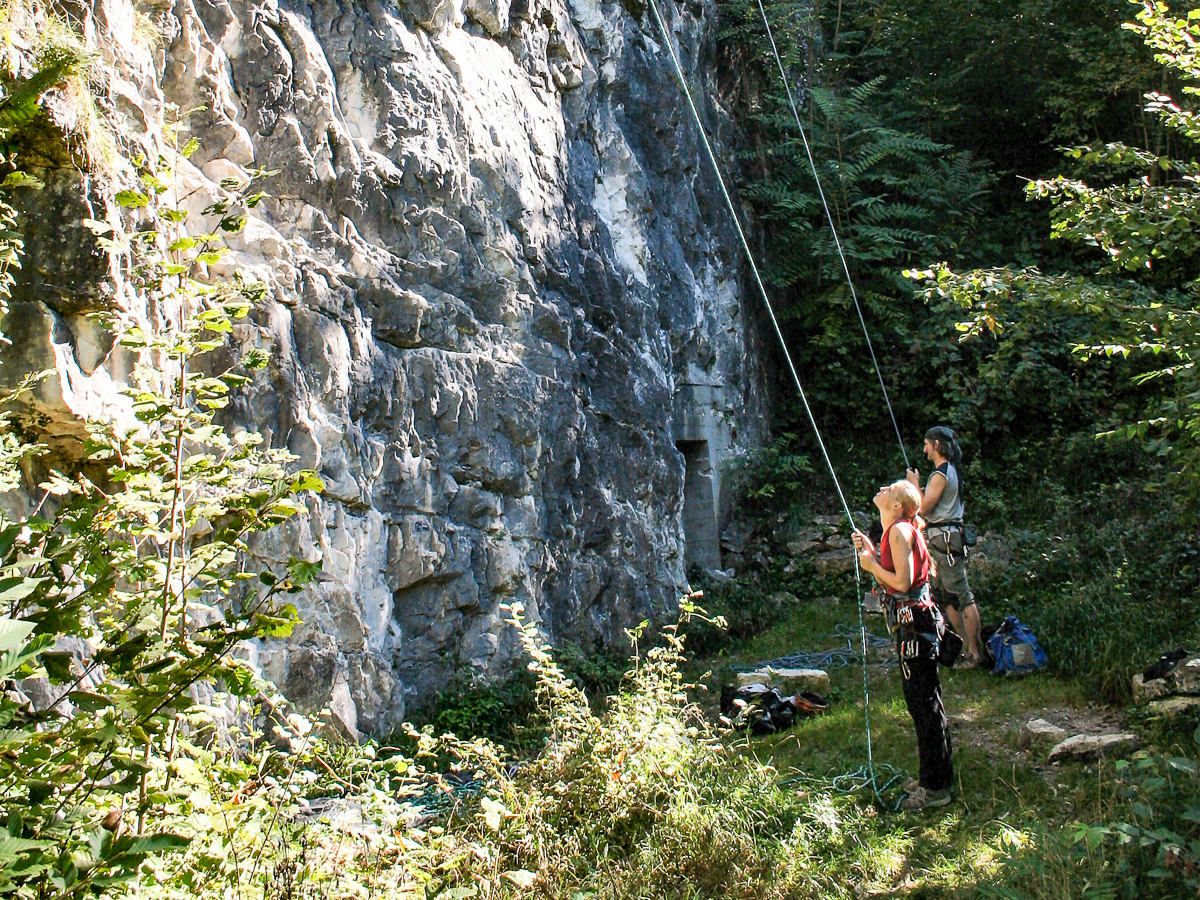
{"x": 923, "y": 694}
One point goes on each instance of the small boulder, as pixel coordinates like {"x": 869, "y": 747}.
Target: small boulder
{"x": 800, "y": 546}
{"x": 1173, "y": 706}
{"x": 1185, "y": 678}
{"x": 1040, "y": 733}
{"x": 1146, "y": 691}
{"x": 788, "y": 681}
{"x": 834, "y": 562}
{"x": 1082, "y": 747}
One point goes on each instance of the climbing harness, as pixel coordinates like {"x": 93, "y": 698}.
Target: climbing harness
{"x": 737, "y": 224}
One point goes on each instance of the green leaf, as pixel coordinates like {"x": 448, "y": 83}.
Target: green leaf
{"x": 163, "y": 842}
{"x": 303, "y": 572}
{"x": 279, "y": 624}
{"x": 89, "y": 701}
{"x": 493, "y": 813}
{"x": 522, "y": 878}
{"x": 1183, "y": 765}
{"x": 131, "y": 199}
{"x": 10, "y": 737}
{"x": 12, "y": 847}
{"x": 307, "y": 480}
{"x": 13, "y": 633}
{"x": 21, "y": 179}
{"x": 18, "y": 592}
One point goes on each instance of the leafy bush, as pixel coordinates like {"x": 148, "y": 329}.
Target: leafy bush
{"x": 771, "y": 476}
{"x": 1157, "y": 851}
{"x": 1147, "y": 845}
{"x": 1140, "y": 299}
{"x": 751, "y": 605}
{"x": 1107, "y": 583}
{"x": 126, "y": 578}
{"x": 643, "y": 799}
{"x": 497, "y": 710}
{"x": 505, "y": 709}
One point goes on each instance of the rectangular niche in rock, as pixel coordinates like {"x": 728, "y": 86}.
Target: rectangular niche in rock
{"x": 701, "y": 533}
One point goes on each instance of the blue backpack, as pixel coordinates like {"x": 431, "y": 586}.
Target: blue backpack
{"x": 1015, "y": 649}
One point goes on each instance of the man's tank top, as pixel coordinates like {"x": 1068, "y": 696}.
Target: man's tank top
{"x": 950, "y": 505}
{"x": 920, "y": 573}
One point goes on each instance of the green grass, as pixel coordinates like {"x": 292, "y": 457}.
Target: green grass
{"x": 1008, "y": 833}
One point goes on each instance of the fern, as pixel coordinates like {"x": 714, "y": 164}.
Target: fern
{"x": 20, "y": 105}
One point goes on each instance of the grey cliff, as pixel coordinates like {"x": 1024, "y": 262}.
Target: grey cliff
{"x": 506, "y": 311}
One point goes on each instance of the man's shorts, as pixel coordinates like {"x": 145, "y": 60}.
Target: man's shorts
{"x": 949, "y": 579}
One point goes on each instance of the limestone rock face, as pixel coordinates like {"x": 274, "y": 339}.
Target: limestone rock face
{"x": 506, "y": 315}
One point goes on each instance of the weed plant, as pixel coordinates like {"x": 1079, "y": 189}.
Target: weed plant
{"x": 505, "y": 710}
{"x": 1108, "y": 582}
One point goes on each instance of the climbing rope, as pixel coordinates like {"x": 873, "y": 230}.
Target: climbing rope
{"x": 443, "y": 797}
{"x": 737, "y": 224}
{"x": 850, "y": 782}
{"x": 878, "y": 641}
{"x": 835, "y": 658}
{"x": 833, "y": 230}
{"x": 712, "y": 157}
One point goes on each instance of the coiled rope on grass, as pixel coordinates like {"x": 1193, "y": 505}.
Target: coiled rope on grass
{"x": 851, "y": 782}
{"x": 834, "y": 658}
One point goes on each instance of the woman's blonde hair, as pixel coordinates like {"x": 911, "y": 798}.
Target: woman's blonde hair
{"x": 909, "y": 497}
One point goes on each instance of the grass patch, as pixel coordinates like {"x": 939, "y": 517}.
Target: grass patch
{"x": 1017, "y": 827}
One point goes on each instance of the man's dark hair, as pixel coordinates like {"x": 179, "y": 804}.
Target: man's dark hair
{"x": 945, "y": 441}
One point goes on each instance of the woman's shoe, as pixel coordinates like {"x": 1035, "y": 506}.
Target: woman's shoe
{"x": 966, "y": 661}
{"x": 911, "y": 785}
{"x": 922, "y": 798}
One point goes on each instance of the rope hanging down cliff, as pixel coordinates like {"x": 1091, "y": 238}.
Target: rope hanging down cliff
{"x": 832, "y": 228}
{"x": 791, "y": 368}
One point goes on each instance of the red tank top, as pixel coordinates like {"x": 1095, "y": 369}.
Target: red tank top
{"x": 919, "y": 551}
